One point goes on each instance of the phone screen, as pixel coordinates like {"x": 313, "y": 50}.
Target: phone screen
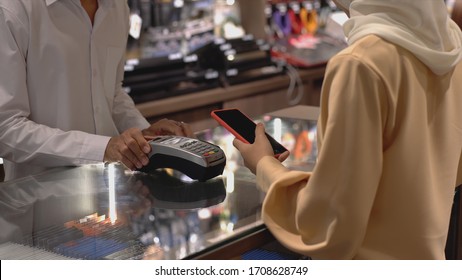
{"x": 245, "y": 127}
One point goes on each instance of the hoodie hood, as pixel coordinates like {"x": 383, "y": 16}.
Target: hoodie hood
{"x": 422, "y": 27}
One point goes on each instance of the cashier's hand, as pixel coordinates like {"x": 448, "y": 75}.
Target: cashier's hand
{"x": 168, "y": 127}
{"x": 130, "y": 148}
{"x": 253, "y": 153}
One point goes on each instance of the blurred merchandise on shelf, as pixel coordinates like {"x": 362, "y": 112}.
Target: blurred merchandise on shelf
{"x": 301, "y": 31}
{"x": 165, "y": 41}
{"x": 180, "y": 26}
{"x": 239, "y": 60}
{"x": 291, "y": 18}
{"x": 219, "y": 63}
{"x": 306, "y": 52}
{"x": 161, "y": 77}
{"x": 227, "y": 19}
{"x": 179, "y": 47}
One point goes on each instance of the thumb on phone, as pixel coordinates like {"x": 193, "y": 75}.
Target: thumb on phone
{"x": 260, "y": 131}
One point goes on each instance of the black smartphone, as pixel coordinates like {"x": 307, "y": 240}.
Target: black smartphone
{"x": 242, "y": 127}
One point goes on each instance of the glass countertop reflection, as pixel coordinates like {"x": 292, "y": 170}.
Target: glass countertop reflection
{"x": 108, "y": 212}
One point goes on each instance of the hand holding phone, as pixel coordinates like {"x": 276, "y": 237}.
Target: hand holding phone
{"x": 243, "y": 128}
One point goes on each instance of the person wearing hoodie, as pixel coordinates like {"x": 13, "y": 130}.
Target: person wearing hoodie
{"x": 390, "y": 141}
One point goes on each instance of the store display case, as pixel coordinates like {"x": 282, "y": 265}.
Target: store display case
{"x": 256, "y": 70}
{"x": 227, "y": 52}
{"x": 108, "y": 212}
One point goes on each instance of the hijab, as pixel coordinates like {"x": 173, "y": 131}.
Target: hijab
{"x": 422, "y": 27}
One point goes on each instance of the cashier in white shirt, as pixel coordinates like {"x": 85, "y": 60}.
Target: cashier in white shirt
{"x": 61, "y": 96}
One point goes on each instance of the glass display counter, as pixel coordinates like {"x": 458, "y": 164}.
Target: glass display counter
{"x": 108, "y": 212}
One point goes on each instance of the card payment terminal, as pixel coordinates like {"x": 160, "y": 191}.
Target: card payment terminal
{"x": 199, "y": 160}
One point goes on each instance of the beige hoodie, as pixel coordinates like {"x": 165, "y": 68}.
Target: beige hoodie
{"x": 390, "y": 136}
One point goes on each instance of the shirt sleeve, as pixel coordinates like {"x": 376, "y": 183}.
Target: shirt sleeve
{"x": 22, "y": 140}
{"x": 124, "y": 112}
{"x": 324, "y": 214}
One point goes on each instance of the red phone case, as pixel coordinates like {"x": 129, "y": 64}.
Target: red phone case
{"x": 277, "y": 152}
{"x": 229, "y": 128}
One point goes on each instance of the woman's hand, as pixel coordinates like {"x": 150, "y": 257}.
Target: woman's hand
{"x": 253, "y": 153}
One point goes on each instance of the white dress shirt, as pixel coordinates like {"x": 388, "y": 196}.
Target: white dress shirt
{"x": 61, "y": 96}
